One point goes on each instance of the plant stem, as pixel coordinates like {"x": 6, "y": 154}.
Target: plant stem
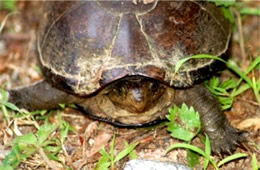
{"x": 241, "y": 37}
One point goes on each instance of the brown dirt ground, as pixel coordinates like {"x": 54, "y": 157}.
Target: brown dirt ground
{"x": 18, "y": 67}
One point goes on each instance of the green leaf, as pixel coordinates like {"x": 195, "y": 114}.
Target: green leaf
{"x": 13, "y": 158}
{"x": 4, "y": 21}
{"x": 189, "y": 117}
{"x": 214, "y": 82}
{"x": 226, "y": 102}
{"x": 235, "y": 68}
{"x": 19, "y": 153}
{"x": 44, "y": 132}
{"x": 103, "y": 163}
{"x": 52, "y": 149}
{"x": 207, "y": 151}
{"x": 231, "y": 157}
{"x": 198, "y": 56}
{"x": 3, "y": 95}
{"x": 64, "y": 132}
{"x": 228, "y": 84}
{"x": 187, "y": 127}
{"x": 9, "y": 5}
{"x": 253, "y": 64}
{"x": 10, "y": 106}
{"x": 225, "y": 3}
{"x": 5, "y": 113}
{"x": 173, "y": 110}
{"x": 64, "y": 128}
{"x": 250, "y": 11}
{"x": 240, "y": 90}
{"x": 180, "y": 63}
{"x": 5, "y": 167}
{"x": 228, "y": 14}
{"x": 53, "y": 157}
{"x": 125, "y": 152}
{"x": 180, "y": 133}
{"x": 62, "y": 106}
{"x": 131, "y": 154}
{"x": 28, "y": 139}
{"x": 254, "y": 162}
{"x": 192, "y": 158}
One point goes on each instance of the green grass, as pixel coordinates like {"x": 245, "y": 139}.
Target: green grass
{"x": 108, "y": 160}
{"x": 231, "y": 88}
{"x": 44, "y": 141}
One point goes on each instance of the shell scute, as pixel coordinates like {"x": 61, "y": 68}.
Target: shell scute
{"x": 92, "y": 43}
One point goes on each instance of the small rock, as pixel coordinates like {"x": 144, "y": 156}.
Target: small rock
{"x": 143, "y": 164}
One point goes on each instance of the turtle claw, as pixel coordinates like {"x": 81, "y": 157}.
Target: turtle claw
{"x": 226, "y": 140}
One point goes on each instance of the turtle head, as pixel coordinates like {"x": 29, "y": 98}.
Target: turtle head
{"x": 136, "y": 95}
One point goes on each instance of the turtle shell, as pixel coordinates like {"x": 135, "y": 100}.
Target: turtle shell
{"x": 85, "y": 45}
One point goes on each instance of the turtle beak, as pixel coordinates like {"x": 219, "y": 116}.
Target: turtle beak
{"x": 138, "y": 99}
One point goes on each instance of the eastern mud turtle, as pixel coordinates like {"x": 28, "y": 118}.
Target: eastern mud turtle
{"x": 116, "y": 60}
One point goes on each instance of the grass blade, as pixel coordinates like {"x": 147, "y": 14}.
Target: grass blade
{"x": 125, "y": 152}
{"x": 250, "y": 11}
{"x": 254, "y": 162}
{"x": 207, "y": 151}
{"x": 5, "y": 19}
{"x": 234, "y": 68}
{"x": 5, "y": 113}
{"x": 232, "y": 157}
{"x": 195, "y": 149}
{"x": 44, "y": 132}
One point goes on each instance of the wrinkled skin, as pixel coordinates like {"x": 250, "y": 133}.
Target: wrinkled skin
{"x": 136, "y": 97}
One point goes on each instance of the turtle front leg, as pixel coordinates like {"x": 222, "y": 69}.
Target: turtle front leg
{"x": 40, "y": 95}
{"x": 224, "y": 138}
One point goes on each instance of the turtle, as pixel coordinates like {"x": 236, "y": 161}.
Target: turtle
{"x": 116, "y": 61}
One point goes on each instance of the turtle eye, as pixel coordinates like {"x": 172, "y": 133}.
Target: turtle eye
{"x": 154, "y": 86}
{"x": 119, "y": 91}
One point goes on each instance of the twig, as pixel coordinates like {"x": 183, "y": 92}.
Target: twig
{"x": 241, "y": 37}
{"x": 250, "y": 102}
{"x": 46, "y": 159}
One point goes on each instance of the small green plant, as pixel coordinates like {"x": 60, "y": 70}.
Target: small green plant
{"x": 227, "y": 90}
{"x": 191, "y": 129}
{"x": 108, "y": 159}
{"x": 4, "y": 104}
{"x": 184, "y": 122}
{"x": 26, "y": 145}
{"x": 42, "y": 142}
